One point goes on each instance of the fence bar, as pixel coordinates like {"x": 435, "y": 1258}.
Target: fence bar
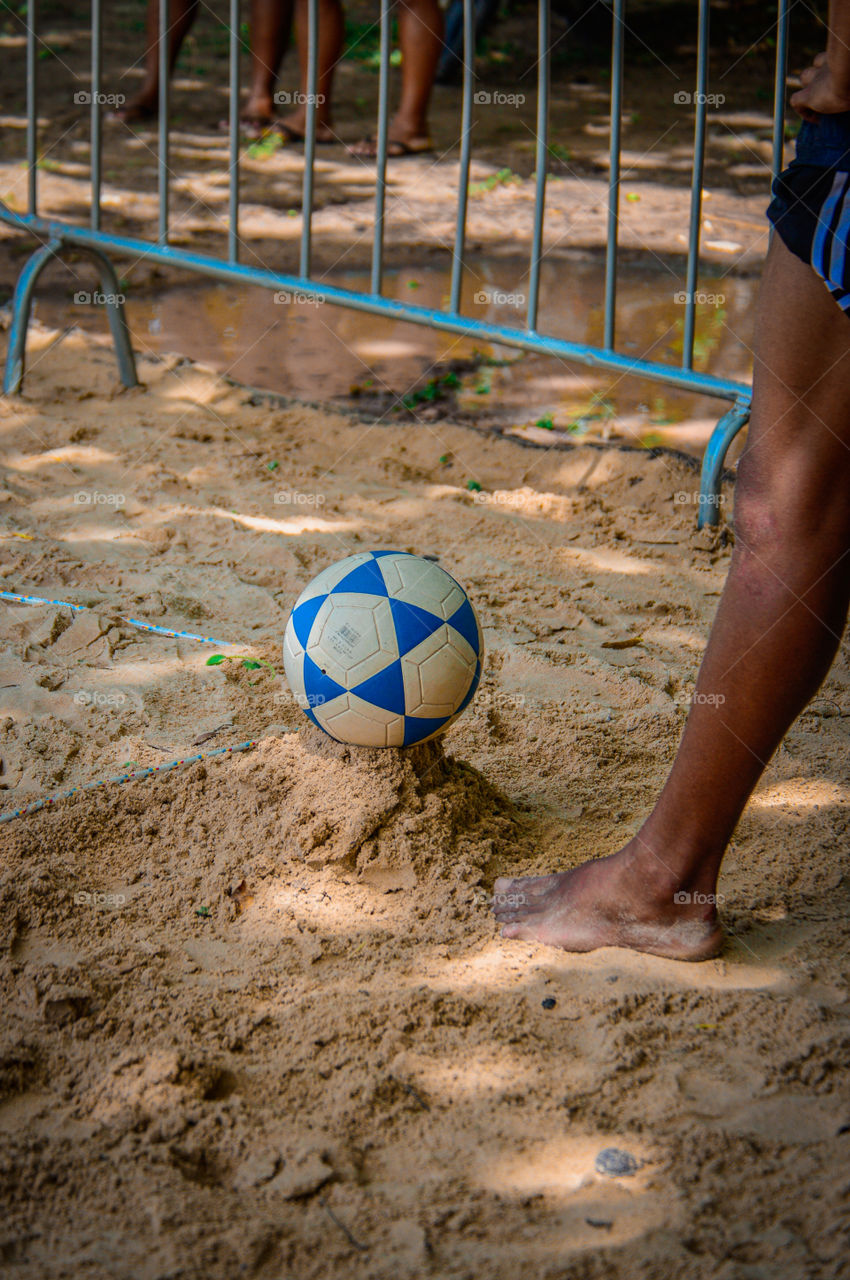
{"x": 381, "y": 174}
{"x": 711, "y": 475}
{"x": 779, "y": 87}
{"x": 233, "y": 201}
{"x": 218, "y": 269}
{"x": 614, "y": 175}
{"x": 32, "y": 118}
{"x": 95, "y": 140}
{"x": 310, "y": 136}
{"x": 162, "y": 149}
{"x": 696, "y": 188}
{"x": 541, "y": 161}
{"x": 465, "y": 150}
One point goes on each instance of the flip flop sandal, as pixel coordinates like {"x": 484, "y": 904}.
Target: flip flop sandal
{"x": 251, "y": 127}
{"x": 291, "y": 135}
{"x": 367, "y": 149}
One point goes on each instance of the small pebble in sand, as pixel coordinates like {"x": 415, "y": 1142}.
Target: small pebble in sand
{"x": 615, "y": 1163}
{"x": 549, "y": 1002}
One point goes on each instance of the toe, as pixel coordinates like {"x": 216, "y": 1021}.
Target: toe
{"x": 505, "y": 884}
{"x": 515, "y": 930}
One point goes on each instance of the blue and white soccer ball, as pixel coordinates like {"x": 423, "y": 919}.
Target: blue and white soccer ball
{"x": 383, "y": 649}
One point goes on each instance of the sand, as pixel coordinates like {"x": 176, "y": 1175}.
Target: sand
{"x": 257, "y": 1019}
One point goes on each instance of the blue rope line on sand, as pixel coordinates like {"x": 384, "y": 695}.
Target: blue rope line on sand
{"x": 125, "y": 777}
{"x": 134, "y": 622}
{"x": 137, "y": 773}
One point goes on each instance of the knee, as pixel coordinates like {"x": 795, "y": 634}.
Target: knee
{"x": 794, "y": 500}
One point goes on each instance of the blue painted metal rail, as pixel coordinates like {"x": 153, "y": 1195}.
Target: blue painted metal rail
{"x": 101, "y": 246}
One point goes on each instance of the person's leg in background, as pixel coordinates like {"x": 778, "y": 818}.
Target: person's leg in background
{"x": 182, "y": 14}
{"x": 331, "y": 32}
{"x": 777, "y": 629}
{"x": 420, "y": 33}
{"x": 271, "y": 27}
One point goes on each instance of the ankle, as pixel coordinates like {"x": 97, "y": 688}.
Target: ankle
{"x": 259, "y": 105}
{"x": 669, "y": 869}
{"x": 408, "y": 126}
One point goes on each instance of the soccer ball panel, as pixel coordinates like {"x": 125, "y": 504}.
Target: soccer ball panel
{"x": 350, "y": 719}
{"x": 352, "y": 638}
{"x": 292, "y": 648}
{"x": 293, "y": 663}
{"x": 437, "y": 674}
{"x": 447, "y": 670}
{"x": 328, "y": 578}
{"x": 422, "y": 583}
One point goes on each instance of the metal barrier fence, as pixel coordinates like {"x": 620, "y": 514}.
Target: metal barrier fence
{"x": 97, "y": 244}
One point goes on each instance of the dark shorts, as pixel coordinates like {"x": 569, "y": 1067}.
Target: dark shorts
{"x": 811, "y": 212}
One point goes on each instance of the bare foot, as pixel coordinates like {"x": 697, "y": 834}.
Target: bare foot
{"x": 258, "y": 106}
{"x": 612, "y": 902}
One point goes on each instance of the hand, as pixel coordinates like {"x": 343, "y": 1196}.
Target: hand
{"x": 822, "y": 93}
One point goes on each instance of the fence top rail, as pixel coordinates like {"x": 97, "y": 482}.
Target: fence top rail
{"x": 450, "y": 321}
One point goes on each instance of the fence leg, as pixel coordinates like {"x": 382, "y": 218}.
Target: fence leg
{"x": 21, "y": 307}
{"x": 13, "y": 376}
{"x": 712, "y": 463}
{"x": 117, "y": 318}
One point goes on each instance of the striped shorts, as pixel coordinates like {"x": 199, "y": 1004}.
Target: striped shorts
{"x": 811, "y": 212}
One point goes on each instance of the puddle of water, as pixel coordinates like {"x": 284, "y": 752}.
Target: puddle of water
{"x": 319, "y": 352}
